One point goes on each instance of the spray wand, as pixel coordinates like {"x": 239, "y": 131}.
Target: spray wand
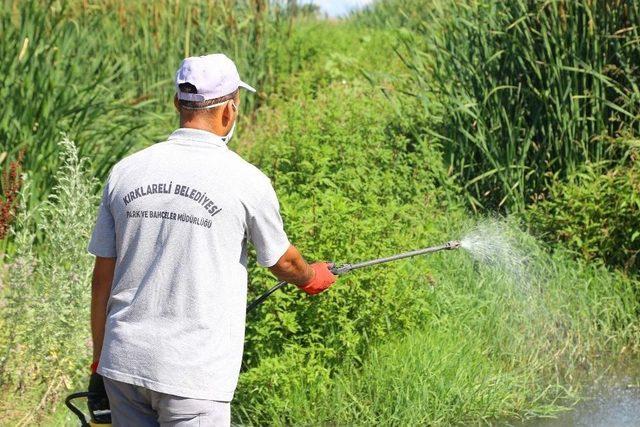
{"x": 346, "y": 268}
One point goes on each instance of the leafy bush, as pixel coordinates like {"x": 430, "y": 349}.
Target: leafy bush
{"x": 352, "y": 186}
{"x": 44, "y": 334}
{"x": 596, "y": 213}
{"x": 522, "y": 92}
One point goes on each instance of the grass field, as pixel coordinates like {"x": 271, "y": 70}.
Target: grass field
{"x": 371, "y": 152}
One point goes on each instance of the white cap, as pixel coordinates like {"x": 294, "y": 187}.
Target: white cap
{"x": 213, "y": 76}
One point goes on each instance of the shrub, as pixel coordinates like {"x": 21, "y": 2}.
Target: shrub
{"x": 352, "y": 186}
{"x": 44, "y": 335}
{"x": 596, "y": 213}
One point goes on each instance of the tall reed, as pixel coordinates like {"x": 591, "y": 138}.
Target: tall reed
{"x": 525, "y": 91}
{"x": 102, "y": 71}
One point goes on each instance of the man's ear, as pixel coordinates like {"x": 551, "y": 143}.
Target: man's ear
{"x": 227, "y": 114}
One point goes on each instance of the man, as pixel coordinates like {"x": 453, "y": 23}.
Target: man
{"x": 170, "y": 277}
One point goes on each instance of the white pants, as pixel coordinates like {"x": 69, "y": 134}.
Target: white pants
{"x": 132, "y": 405}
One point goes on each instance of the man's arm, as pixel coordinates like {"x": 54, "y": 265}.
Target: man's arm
{"x": 100, "y": 289}
{"x": 292, "y": 268}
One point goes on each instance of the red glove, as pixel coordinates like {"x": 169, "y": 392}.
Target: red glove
{"x": 321, "y": 280}
{"x": 94, "y": 366}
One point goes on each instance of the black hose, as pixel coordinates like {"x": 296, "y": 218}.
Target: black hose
{"x": 74, "y": 409}
{"x": 256, "y": 302}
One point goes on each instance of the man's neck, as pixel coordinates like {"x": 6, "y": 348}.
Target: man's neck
{"x": 205, "y": 126}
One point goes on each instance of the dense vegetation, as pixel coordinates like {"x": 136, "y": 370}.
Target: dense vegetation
{"x": 597, "y": 212}
{"x": 380, "y": 133}
{"x": 521, "y": 93}
{"x": 102, "y": 71}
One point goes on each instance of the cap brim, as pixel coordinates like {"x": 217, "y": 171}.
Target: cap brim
{"x": 246, "y": 86}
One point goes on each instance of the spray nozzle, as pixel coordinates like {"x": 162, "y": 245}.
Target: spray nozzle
{"x": 454, "y": 244}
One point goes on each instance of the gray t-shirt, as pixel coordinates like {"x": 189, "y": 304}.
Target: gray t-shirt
{"x": 177, "y": 217}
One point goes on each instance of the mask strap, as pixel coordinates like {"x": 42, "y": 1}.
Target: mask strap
{"x": 209, "y": 107}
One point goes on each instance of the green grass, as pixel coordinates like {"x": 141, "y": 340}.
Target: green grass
{"x": 488, "y": 351}
{"x": 486, "y": 346}
{"x": 435, "y": 340}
